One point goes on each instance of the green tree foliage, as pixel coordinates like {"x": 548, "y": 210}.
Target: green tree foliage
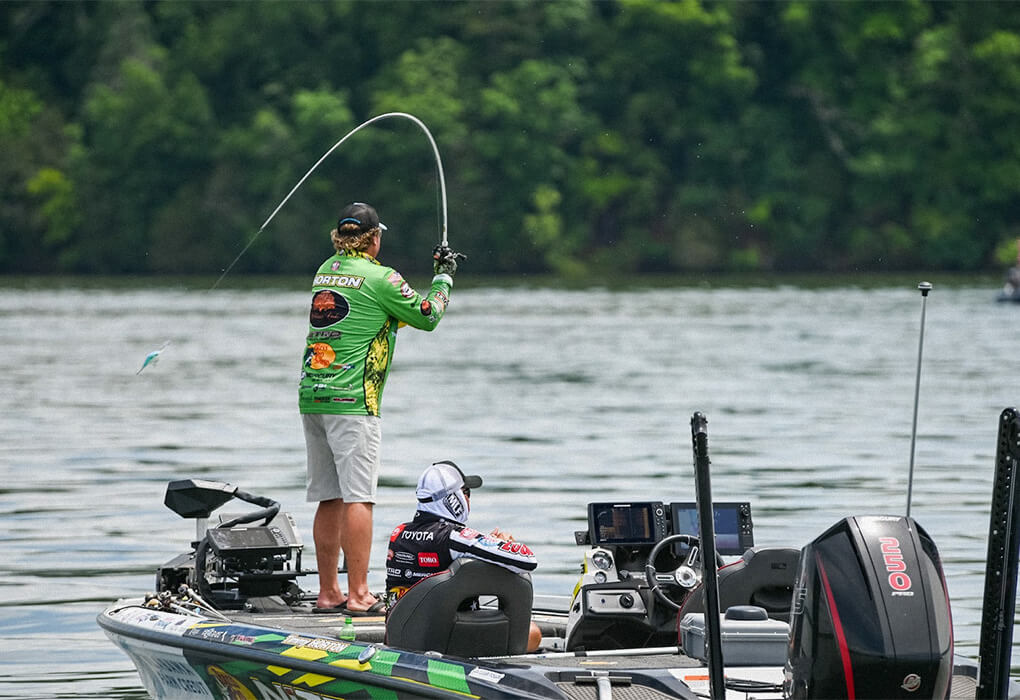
{"x": 36, "y": 196}
{"x": 577, "y": 136}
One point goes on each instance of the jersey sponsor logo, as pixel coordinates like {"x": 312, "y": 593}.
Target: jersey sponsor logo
{"x": 331, "y": 387}
{"x": 468, "y": 533}
{"x": 429, "y": 559}
{"x": 319, "y": 355}
{"x": 328, "y": 308}
{"x": 417, "y": 536}
{"x": 396, "y": 532}
{"x": 406, "y": 557}
{"x": 517, "y": 548}
{"x": 347, "y": 281}
{"x": 325, "y": 335}
{"x": 394, "y": 593}
{"x": 330, "y": 376}
{"x": 406, "y": 291}
{"x": 334, "y": 399}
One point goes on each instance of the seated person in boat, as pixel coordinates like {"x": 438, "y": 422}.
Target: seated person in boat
{"x": 438, "y": 534}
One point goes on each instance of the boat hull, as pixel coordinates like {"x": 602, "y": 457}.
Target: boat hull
{"x": 182, "y": 657}
{"x": 188, "y": 658}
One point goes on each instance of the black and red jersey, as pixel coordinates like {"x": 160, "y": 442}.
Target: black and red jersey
{"x": 429, "y": 544}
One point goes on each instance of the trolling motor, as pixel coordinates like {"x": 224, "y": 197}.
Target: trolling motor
{"x": 235, "y": 561}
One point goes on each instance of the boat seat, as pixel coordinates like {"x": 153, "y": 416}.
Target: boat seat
{"x": 435, "y": 615}
{"x": 763, "y": 576}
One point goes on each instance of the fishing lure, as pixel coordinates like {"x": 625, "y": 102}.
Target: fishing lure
{"x": 152, "y": 358}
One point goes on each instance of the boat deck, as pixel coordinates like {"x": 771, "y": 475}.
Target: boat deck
{"x": 569, "y": 669}
{"x": 549, "y": 613}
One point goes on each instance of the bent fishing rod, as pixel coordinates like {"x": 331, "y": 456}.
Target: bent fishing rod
{"x": 153, "y": 356}
{"x": 389, "y": 115}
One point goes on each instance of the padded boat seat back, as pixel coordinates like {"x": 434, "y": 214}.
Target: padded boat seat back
{"x": 433, "y": 614}
{"x": 764, "y": 576}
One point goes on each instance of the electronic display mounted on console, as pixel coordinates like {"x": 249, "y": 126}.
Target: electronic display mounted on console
{"x": 626, "y": 524}
{"x": 734, "y": 531}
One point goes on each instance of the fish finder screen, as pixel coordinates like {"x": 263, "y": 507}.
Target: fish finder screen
{"x": 728, "y": 526}
{"x": 622, "y": 523}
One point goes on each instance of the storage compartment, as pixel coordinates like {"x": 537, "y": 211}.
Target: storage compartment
{"x": 749, "y": 637}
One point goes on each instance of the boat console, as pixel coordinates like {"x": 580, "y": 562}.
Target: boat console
{"x": 643, "y": 560}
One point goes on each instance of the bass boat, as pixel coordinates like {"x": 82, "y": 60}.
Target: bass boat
{"x": 862, "y": 611}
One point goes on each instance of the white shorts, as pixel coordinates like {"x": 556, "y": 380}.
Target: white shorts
{"x": 343, "y": 457}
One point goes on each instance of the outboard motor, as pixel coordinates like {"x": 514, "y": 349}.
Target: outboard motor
{"x": 870, "y": 614}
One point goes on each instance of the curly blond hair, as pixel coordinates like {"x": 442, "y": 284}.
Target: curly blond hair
{"x": 351, "y": 237}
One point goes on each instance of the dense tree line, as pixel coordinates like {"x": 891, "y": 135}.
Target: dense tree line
{"x": 577, "y": 136}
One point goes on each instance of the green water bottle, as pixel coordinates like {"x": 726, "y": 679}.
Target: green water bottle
{"x": 347, "y": 631}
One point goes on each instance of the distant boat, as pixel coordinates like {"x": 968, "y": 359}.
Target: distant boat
{"x": 1011, "y": 287}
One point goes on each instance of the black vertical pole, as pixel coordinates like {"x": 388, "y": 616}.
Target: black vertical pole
{"x": 709, "y": 578}
{"x": 1001, "y": 565}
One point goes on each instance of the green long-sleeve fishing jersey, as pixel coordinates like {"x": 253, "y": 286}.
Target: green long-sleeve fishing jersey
{"x": 357, "y": 306}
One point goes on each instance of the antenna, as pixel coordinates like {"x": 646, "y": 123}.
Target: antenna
{"x": 924, "y": 288}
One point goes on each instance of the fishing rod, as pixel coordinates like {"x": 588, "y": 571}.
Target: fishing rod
{"x": 153, "y": 356}
{"x": 924, "y": 288}
{"x": 402, "y": 115}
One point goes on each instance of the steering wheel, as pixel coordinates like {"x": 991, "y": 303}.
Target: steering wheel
{"x": 686, "y": 576}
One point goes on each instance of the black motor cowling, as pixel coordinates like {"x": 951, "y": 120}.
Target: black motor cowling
{"x": 870, "y": 614}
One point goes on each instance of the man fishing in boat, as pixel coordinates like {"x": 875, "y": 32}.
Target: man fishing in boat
{"x": 357, "y": 305}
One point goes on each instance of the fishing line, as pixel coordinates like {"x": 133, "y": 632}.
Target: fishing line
{"x": 152, "y": 356}
{"x": 352, "y": 132}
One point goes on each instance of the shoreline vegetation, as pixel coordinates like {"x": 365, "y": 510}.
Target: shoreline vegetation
{"x": 580, "y": 138}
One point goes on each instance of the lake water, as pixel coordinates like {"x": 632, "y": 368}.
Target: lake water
{"x": 557, "y": 397}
